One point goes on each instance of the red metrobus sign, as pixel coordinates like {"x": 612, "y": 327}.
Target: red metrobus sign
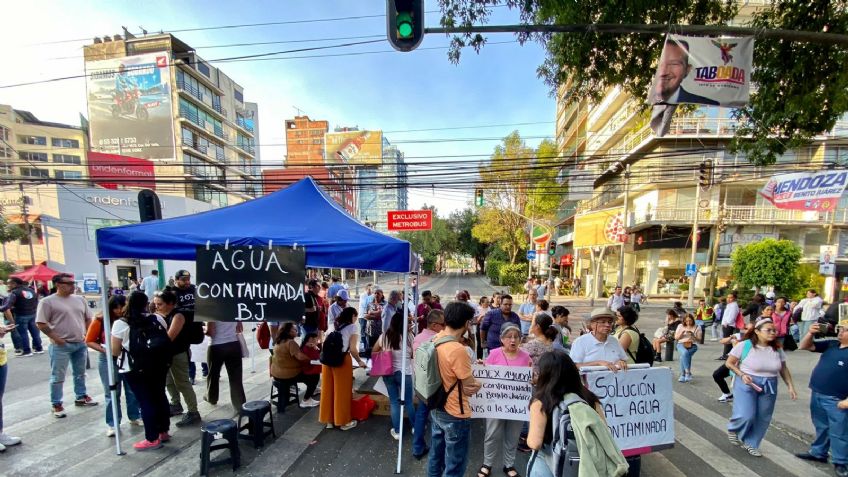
{"x": 407, "y": 220}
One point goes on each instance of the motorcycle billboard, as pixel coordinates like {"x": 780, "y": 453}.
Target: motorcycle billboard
{"x": 129, "y": 106}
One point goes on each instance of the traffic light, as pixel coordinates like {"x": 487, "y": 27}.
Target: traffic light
{"x": 478, "y": 197}
{"x": 705, "y": 174}
{"x": 405, "y": 23}
{"x": 149, "y": 207}
{"x": 552, "y": 248}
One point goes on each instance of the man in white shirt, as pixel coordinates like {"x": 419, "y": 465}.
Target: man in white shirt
{"x": 616, "y": 301}
{"x": 728, "y": 322}
{"x": 811, "y": 310}
{"x": 364, "y": 300}
{"x": 150, "y": 284}
{"x": 599, "y": 348}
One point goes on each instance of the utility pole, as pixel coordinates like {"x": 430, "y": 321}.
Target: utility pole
{"x": 626, "y": 224}
{"x": 27, "y": 226}
{"x": 531, "y": 247}
{"x": 719, "y": 230}
{"x": 694, "y": 278}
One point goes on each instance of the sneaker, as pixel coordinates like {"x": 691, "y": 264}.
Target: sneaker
{"x": 752, "y": 450}
{"x": 725, "y": 398}
{"x": 841, "y": 470}
{"x": 350, "y": 425}
{"x": 19, "y": 352}
{"x": 329, "y": 426}
{"x": 39, "y": 351}
{"x": 2, "y": 448}
{"x": 803, "y": 456}
{"x": 189, "y": 419}
{"x": 176, "y": 409}
{"x": 421, "y": 455}
{"x": 722, "y": 358}
{"x": 110, "y": 432}
{"x": 85, "y": 401}
{"x": 682, "y": 378}
{"x": 145, "y": 445}
{"x": 26, "y": 355}
{"x": 58, "y": 411}
{"x": 733, "y": 438}
{"x": 192, "y": 381}
{"x": 6, "y": 440}
{"x": 688, "y": 378}
{"x": 136, "y": 422}
{"x": 164, "y": 437}
{"x": 394, "y": 434}
{"x": 309, "y": 403}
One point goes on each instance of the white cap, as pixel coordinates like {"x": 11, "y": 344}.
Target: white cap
{"x": 770, "y": 295}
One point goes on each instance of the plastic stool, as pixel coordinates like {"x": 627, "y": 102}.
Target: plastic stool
{"x": 256, "y": 426}
{"x": 221, "y": 429}
{"x": 294, "y": 394}
{"x": 669, "y": 350}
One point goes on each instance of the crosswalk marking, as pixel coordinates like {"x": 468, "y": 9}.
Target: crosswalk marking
{"x": 786, "y": 460}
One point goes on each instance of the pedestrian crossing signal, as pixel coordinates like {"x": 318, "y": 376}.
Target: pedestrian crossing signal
{"x": 478, "y": 197}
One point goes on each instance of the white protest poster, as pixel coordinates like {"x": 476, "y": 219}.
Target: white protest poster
{"x": 505, "y": 392}
{"x": 638, "y": 406}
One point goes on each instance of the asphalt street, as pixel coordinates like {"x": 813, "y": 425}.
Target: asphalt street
{"x": 77, "y": 445}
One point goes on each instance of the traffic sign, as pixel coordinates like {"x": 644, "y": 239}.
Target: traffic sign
{"x": 531, "y": 255}
{"x": 691, "y": 269}
{"x": 406, "y": 220}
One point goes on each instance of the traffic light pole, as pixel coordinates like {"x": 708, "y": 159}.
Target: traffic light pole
{"x": 694, "y": 278}
{"x": 626, "y": 217}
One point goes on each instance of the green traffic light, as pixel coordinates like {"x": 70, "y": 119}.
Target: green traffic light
{"x": 404, "y": 25}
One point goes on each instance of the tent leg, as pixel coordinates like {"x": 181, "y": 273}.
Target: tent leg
{"x": 406, "y": 291}
{"x": 107, "y": 331}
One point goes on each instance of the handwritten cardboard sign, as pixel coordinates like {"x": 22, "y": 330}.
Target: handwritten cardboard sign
{"x": 250, "y": 283}
{"x": 505, "y": 392}
{"x": 638, "y": 406}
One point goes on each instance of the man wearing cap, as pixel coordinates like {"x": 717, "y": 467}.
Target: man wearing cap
{"x": 334, "y": 289}
{"x": 829, "y": 390}
{"x": 599, "y": 348}
{"x": 20, "y": 310}
{"x": 339, "y": 304}
{"x": 395, "y": 296}
{"x": 179, "y": 379}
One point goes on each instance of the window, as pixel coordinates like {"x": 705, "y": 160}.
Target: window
{"x": 203, "y": 68}
{"x": 34, "y": 172}
{"x": 33, "y": 156}
{"x": 66, "y": 159}
{"x": 4, "y": 133}
{"x": 66, "y": 143}
{"x": 33, "y": 140}
{"x": 5, "y": 152}
{"x": 238, "y": 95}
{"x": 6, "y": 170}
{"x": 60, "y": 174}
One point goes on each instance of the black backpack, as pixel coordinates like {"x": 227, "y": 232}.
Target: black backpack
{"x": 645, "y": 351}
{"x": 333, "y": 351}
{"x": 149, "y": 345}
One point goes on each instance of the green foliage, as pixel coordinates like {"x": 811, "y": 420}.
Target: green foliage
{"x": 768, "y": 262}
{"x": 433, "y": 245}
{"x": 806, "y": 277}
{"x": 802, "y": 87}
{"x": 493, "y": 270}
{"x": 6, "y": 269}
{"x": 10, "y": 232}
{"x": 462, "y": 223}
{"x": 512, "y": 274}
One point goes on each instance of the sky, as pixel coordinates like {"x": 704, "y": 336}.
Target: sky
{"x": 392, "y": 91}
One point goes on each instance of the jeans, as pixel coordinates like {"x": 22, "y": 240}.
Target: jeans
{"x": 60, "y": 356}
{"x": 537, "y": 466}
{"x": 795, "y": 332}
{"x": 16, "y": 337}
{"x": 449, "y": 451}
{"x": 177, "y": 382}
{"x": 752, "y": 410}
{"x": 804, "y": 327}
{"x": 192, "y": 370}
{"x": 686, "y": 357}
{"x": 133, "y": 409}
{"x": 4, "y": 371}
{"x": 229, "y": 355}
{"x": 149, "y": 388}
{"x": 393, "y": 386}
{"x": 362, "y": 338}
{"x": 420, "y": 440}
{"x": 831, "y": 425}
{"x": 715, "y": 330}
{"x": 26, "y": 328}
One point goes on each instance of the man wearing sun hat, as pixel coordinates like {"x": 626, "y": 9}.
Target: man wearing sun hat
{"x": 599, "y": 348}
{"x": 829, "y": 399}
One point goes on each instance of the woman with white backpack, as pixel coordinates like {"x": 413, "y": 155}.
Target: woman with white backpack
{"x": 561, "y": 397}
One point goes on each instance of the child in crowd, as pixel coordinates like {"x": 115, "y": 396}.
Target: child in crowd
{"x": 665, "y": 333}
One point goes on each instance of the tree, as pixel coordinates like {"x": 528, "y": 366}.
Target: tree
{"x": 802, "y": 88}
{"x": 768, "y": 262}
{"x": 10, "y": 232}
{"x": 462, "y": 222}
{"x": 433, "y": 245}
{"x": 518, "y": 182}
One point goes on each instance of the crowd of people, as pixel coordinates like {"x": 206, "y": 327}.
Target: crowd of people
{"x": 152, "y": 332}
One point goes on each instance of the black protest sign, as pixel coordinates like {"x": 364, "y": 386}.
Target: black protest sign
{"x": 250, "y": 283}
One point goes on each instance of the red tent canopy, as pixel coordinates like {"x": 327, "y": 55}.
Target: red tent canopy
{"x": 40, "y": 272}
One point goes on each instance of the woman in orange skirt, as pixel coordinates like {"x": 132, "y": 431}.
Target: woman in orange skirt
{"x": 337, "y": 381}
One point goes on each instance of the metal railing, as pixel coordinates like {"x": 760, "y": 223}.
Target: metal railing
{"x": 240, "y": 122}
{"x": 190, "y": 89}
{"x": 739, "y": 214}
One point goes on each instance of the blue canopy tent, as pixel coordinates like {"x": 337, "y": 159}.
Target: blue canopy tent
{"x": 301, "y": 214}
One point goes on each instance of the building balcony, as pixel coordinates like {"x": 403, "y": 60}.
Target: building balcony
{"x": 217, "y": 155}
{"x": 202, "y": 124}
{"x": 242, "y": 123}
{"x": 736, "y": 215}
{"x": 247, "y": 149}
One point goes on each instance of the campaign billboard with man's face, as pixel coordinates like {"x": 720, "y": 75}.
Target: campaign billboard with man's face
{"x": 129, "y": 106}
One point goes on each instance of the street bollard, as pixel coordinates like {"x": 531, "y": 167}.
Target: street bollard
{"x": 669, "y": 351}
